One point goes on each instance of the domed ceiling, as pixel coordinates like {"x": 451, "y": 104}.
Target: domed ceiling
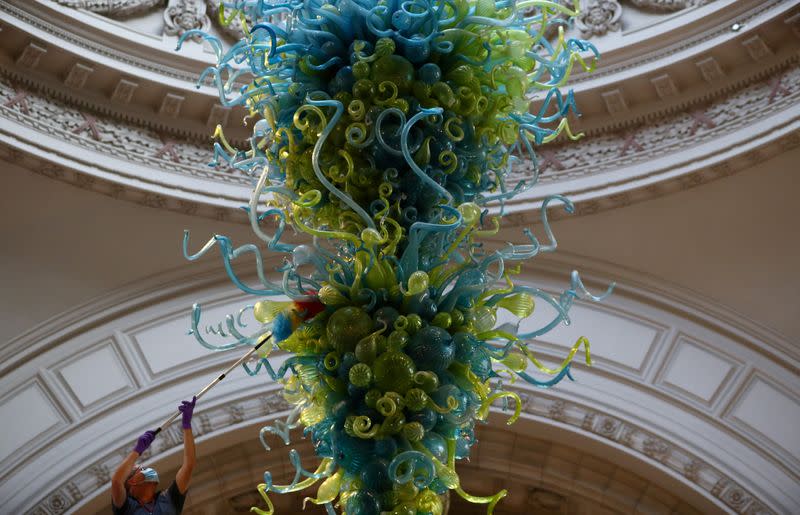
{"x": 685, "y": 92}
{"x": 690, "y": 407}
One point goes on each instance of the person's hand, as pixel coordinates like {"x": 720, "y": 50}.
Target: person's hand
{"x": 186, "y": 408}
{"x": 144, "y": 441}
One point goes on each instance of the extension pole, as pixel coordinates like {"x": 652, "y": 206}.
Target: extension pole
{"x": 217, "y": 380}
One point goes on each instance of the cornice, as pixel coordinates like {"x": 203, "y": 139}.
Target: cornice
{"x": 195, "y": 278}
{"x": 653, "y": 448}
{"x": 643, "y": 106}
{"x": 646, "y": 148}
{"x": 674, "y": 153}
{"x": 707, "y": 33}
{"x": 606, "y": 418}
{"x": 99, "y": 153}
{"x": 188, "y": 129}
{"x": 49, "y": 21}
{"x": 678, "y": 152}
{"x": 152, "y": 77}
{"x": 684, "y": 32}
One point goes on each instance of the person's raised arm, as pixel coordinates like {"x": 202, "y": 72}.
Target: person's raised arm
{"x": 184, "y": 475}
{"x": 118, "y": 493}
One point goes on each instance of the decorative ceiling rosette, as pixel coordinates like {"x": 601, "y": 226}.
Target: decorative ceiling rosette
{"x": 385, "y": 132}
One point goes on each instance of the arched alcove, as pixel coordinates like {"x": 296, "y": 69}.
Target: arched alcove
{"x": 642, "y": 411}
{"x": 684, "y": 191}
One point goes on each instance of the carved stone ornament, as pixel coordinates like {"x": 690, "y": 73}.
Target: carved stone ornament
{"x": 233, "y": 29}
{"x": 599, "y": 17}
{"x": 234, "y": 26}
{"x": 668, "y": 5}
{"x": 184, "y": 15}
{"x": 113, "y": 8}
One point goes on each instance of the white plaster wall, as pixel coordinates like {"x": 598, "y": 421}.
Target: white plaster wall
{"x": 732, "y": 240}
{"x": 729, "y": 240}
{"x": 63, "y": 246}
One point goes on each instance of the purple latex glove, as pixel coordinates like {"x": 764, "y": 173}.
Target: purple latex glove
{"x": 186, "y": 408}
{"x": 144, "y": 441}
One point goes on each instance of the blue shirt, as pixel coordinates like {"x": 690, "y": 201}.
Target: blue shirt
{"x": 164, "y": 503}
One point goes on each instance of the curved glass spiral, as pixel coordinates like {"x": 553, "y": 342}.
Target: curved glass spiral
{"x": 386, "y": 131}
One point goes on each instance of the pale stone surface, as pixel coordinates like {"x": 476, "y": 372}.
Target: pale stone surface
{"x": 773, "y": 412}
{"x": 25, "y": 416}
{"x": 108, "y": 375}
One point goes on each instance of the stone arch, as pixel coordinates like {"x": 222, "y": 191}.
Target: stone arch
{"x": 94, "y": 378}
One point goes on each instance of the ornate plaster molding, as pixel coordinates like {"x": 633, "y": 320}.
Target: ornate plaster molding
{"x": 673, "y": 133}
{"x": 114, "y": 9}
{"x": 211, "y": 423}
{"x": 599, "y": 17}
{"x": 57, "y": 33}
{"x": 647, "y": 445}
{"x": 655, "y": 449}
{"x": 181, "y": 16}
{"x": 682, "y": 42}
{"x": 571, "y": 168}
{"x": 194, "y": 126}
{"x": 196, "y": 9}
{"x": 233, "y": 29}
{"x": 30, "y": 19}
{"x": 670, "y": 448}
{"x": 668, "y": 5}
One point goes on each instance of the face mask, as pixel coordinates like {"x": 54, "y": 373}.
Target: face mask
{"x": 144, "y": 475}
{"x": 150, "y": 475}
